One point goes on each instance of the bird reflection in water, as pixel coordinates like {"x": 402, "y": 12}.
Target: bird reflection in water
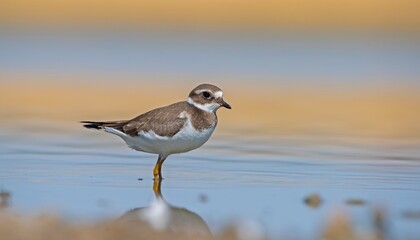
{"x": 162, "y": 216}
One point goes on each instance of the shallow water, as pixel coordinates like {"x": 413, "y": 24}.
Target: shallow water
{"x": 89, "y": 175}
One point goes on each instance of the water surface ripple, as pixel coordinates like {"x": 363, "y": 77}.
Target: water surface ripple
{"x": 69, "y": 170}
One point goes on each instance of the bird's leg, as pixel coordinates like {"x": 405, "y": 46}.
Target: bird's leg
{"x": 157, "y": 173}
{"x": 156, "y": 187}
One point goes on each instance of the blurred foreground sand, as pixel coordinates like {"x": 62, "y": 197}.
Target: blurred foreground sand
{"x": 15, "y": 226}
{"x": 374, "y": 111}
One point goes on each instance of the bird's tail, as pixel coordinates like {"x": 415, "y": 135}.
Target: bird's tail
{"x": 100, "y": 125}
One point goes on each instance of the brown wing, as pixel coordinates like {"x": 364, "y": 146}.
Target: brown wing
{"x": 165, "y": 121}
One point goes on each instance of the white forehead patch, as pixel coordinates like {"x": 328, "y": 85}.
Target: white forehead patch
{"x": 202, "y": 90}
{"x": 218, "y": 94}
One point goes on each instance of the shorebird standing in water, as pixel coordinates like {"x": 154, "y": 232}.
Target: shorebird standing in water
{"x": 176, "y": 128}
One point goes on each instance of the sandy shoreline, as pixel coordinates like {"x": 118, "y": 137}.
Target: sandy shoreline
{"x": 383, "y": 111}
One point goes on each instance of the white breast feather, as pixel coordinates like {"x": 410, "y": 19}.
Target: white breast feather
{"x": 187, "y": 139}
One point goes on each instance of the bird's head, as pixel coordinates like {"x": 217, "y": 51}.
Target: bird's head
{"x": 207, "y": 97}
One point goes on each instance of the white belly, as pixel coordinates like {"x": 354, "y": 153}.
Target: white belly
{"x": 185, "y": 140}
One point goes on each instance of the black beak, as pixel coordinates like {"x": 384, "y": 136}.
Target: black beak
{"x": 225, "y": 104}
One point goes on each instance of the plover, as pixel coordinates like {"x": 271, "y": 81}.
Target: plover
{"x": 176, "y": 128}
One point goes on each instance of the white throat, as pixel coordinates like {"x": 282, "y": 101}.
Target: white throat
{"x": 208, "y": 107}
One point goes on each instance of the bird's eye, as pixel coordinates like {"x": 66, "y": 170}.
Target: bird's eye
{"x": 206, "y": 95}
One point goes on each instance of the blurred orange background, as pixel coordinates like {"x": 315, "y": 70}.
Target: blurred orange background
{"x": 271, "y": 109}
{"x": 340, "y": 15}
{"x": 388, "y": 108}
